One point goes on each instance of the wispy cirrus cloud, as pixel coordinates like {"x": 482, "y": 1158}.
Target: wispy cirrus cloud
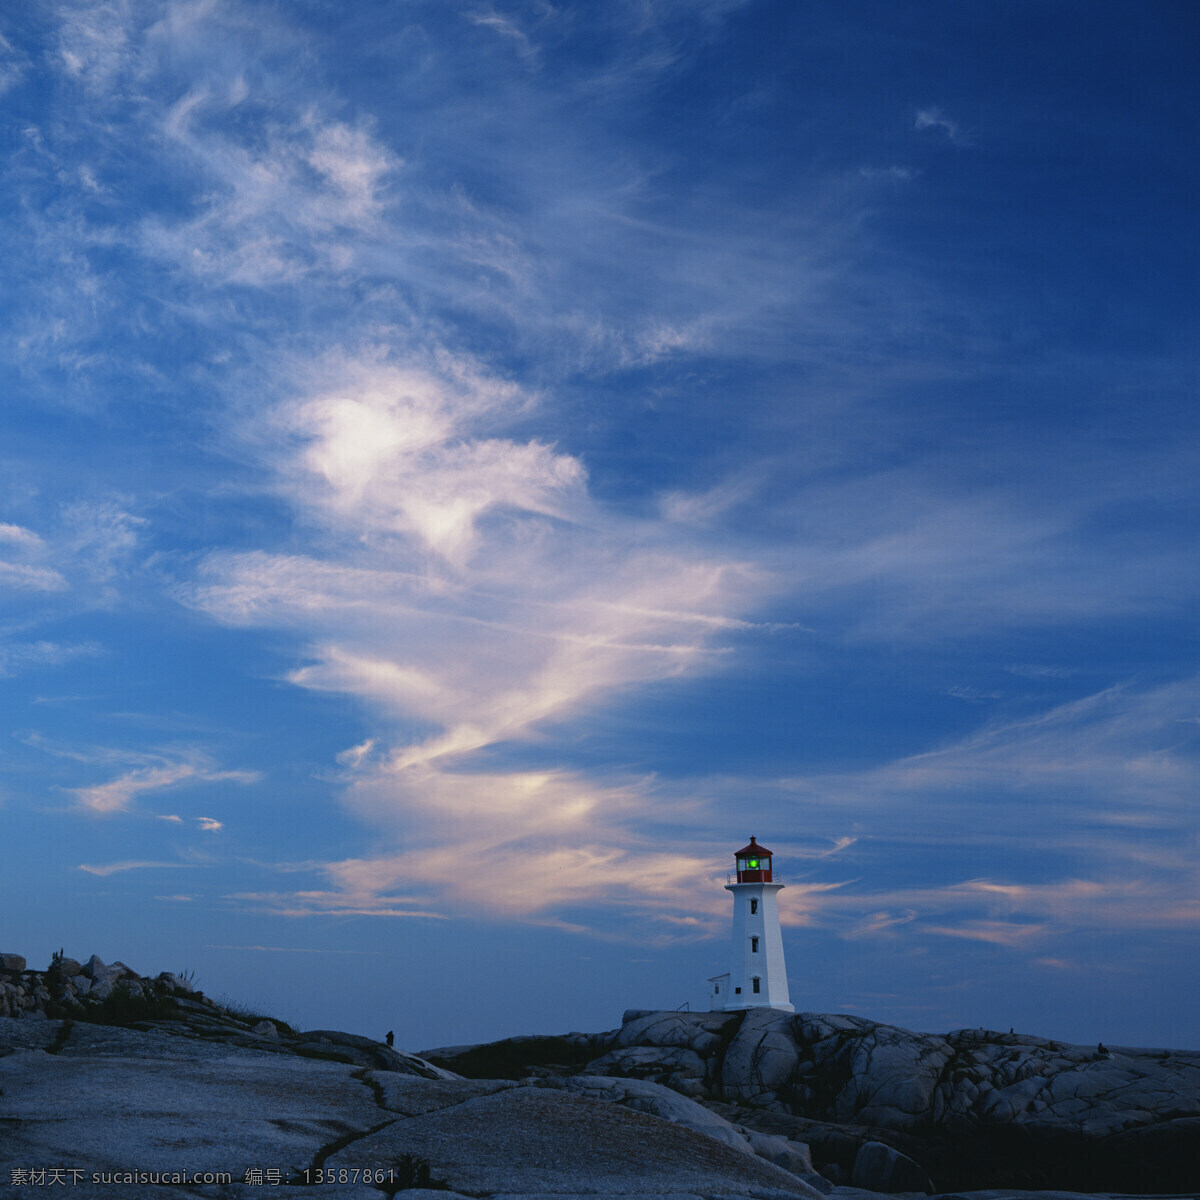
{"x": 1097, "y": 795}
{"x": 507, "y": 28}
{"x": 299, "y": 950}
{"x": 82, "y": 552}
{"x": 153, "y": 773}
{"x": 1031, "y": 917}
{"x": 19, "y": 536}
{"x": 461, "y": 578}
{"x": 25, "y": 577}
{"x": 1124, "y": 753}
{"x": 20, "y": 656}
{"x": 277, "y": 207}
{"x": 105, "y": 869}
{"x": 486, "y": 597}
{"x": 13, "y": 65}
{"x": 934, "y": 118}
{"x": 339, "y": 903}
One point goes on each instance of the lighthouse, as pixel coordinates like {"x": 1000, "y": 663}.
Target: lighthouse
{"x": 757, "y": 975}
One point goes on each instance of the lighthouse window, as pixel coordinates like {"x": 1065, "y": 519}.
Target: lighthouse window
{"x": 754, "y": 945}
{"x": 753, "y": 907}
{"x": 737, "y": 991}
{"x": 756, "y": 983}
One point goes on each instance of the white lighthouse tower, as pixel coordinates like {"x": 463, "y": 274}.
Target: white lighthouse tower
{"x": 757, "y": 976}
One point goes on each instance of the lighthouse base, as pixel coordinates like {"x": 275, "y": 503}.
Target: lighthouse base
{"x": 723, "y": 998}
{"x": 791, "y": 1008}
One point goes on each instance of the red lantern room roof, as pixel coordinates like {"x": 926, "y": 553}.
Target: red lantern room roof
{"x": 754, "y": 850}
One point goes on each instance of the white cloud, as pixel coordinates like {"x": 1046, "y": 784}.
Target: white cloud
{"x": 1118, "y": 749}
{"x": 934, "y": 118}
{"x": 18, "y": 535}
{"x": 485, "y": 591}
{"x": 29, "y": 578}
{"x": 900, "y": 555}
{"x": 467, "y": 582}
{"x": 397, "y": 452}
{"x": 152, "y": 774}
{"x": 13, "y": 66}
{"x": 22, "y": 656}
{"x": 505, "y": 27}
{"x": 299, "y": 950}
{"x": 98, "y": 540}
{"x": 889, "y": 174}
{"x": 275, "y": 207}
{"x": 89, "y": 549}
{"x": 333, "y": 904}
{"x": 459, "y": 579}
{"x": 1095, "y": 796}
{"x": 103, "y": 869}
{"x": 94, "y": 45}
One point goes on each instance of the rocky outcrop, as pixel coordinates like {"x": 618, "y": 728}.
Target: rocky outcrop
{"x": 968, "y": 1109}
{"x": 70, "y": 988}
{"x": 112, "y": 1111}
{"x": 516, "y": 1057}
{"x": 821, "y": 1103}
{"x": 882, "y": 1168}
{"x": 79, "y": 1011}
{"x": 114, "y": 994}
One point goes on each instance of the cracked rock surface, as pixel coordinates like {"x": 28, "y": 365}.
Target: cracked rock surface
{"x": 675, "y": 1106}
{"x": 530, "y": 1140}
{"x": 971, "y": 1109}
{"x": 106, "y": 1101}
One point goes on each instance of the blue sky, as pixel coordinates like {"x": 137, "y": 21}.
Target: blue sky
{"x": 465, "y": 467}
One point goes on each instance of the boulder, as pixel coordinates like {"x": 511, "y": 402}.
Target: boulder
{"x": 698, "y": 1031}
{"x": 67, "y": 966}
{"x": 102, "y": 988}
{"x": 762, "y": 1056}
{"x": 12, "y": 962}
{"x": 92, "y": 966}
{"x": 775, "y": 1148}
{"x": 170, "y": 982}
{"x": 546, "y": 1141}
{"x": 676, "y": 1066}
{"x": 894, "y": 1075}
{"x": 880, "y": 1168}
{"x": 643, "y": 1096}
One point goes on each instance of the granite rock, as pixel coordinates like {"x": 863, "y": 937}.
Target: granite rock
{"x": 548, "y": 1141}
{"x": 698, "y": 1031}
{"x": 108, "y": 1101}
{"x": 880, "y": 1168}
{"x": 676, "y": 1066}
{"x": 762, "y": 1057}
{"x": 644, "y": 1096}
{"x": 972, "y": 1108}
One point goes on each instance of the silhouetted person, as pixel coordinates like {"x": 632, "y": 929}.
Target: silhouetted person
{"x": 391, "y": 1038}
{"x": 1102, "y": 1050}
